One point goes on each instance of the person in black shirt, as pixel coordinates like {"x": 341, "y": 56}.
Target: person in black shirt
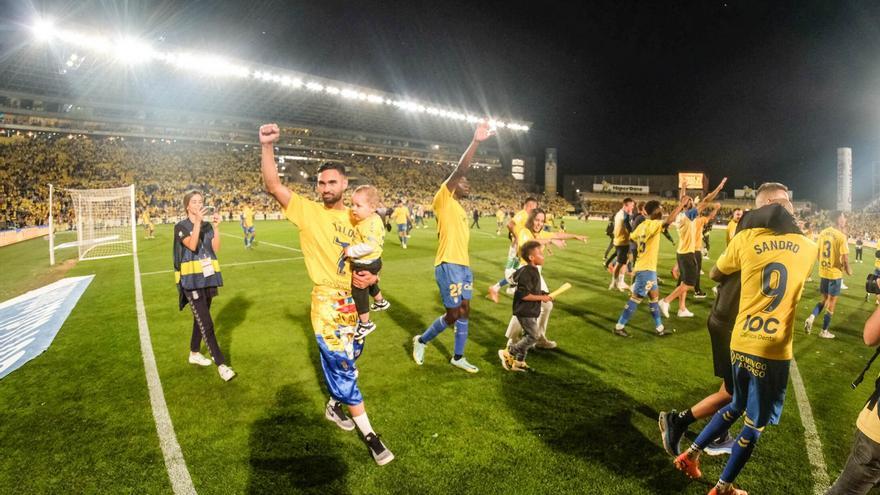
{"x": 859, "y": 247}
{"x": 526, "y": 307}
{"x": 198, "y": 277}
{"x": 674, "y": 424}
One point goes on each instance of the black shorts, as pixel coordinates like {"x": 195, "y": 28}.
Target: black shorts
{"x": 687, "y": 269}
{"x": 373, "y": 267}
{"x": 719, "y": 335}
{"x": 622, "y": 253}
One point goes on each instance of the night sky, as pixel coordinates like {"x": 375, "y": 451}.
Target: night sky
{"x": 756, "y": 90}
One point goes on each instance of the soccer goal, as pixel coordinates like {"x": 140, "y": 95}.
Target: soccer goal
{"x": 104, "y": 220}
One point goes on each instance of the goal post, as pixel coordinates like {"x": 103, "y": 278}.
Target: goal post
{"x": 106, "y": 225}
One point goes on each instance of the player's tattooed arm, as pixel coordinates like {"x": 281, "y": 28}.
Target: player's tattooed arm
{"x": 482, "y": 133}
{"x": 269, "y": 134}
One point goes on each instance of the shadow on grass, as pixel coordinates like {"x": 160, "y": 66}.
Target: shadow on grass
{"x": 414, "y": 324}
{"x": 231, "y": 316}
{"x": 293, "y": 450}
{"x": 579, "y": 415}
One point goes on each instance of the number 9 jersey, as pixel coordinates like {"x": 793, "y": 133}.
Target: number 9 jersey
{"x": 773, "y": 270}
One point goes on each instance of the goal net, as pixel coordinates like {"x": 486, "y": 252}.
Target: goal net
{"x": 105, "y": 222}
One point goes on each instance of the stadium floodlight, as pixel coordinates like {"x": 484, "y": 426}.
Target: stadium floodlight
{"x": 133, "y": 51}
{"x": 43, "y": 29}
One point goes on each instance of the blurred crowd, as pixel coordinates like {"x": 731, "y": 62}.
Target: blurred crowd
{"x": 228, "y": 174}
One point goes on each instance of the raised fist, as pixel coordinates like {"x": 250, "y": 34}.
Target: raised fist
{"x": 269, "y": 133}
{"x": 483, "y": 132}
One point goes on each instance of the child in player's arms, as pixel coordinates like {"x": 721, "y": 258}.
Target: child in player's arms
{"x": 366, "y": 254}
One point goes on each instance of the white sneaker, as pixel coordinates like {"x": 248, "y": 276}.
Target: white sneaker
{"x": 661, "y": 330}
{"x": 418, "y": 351}
{"x": 226, "y": 372}
{"x": 715, "y": 291}
{"x": 843, "y": 286}
{"x": 808, "y": 324}
{"x": 622, "y": 286}
{"x": 664, "y": 307}
{"x": 199, "y": 359}
{"x": 825, "y": 334}
{"x": 463, "y": 364}
{"x": 612, "y": 285}
{"x": 684, "y": 313}
{"x": 511, "y": 291}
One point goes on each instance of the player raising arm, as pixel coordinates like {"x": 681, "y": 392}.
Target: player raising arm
{"x": 452, "y": 264}
{"x": 326, "y": 229}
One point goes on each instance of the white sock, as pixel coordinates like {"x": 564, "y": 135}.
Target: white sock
{"x": 363, "y": 424}
{"x": 332, "y": 402}
{"x": 620, "y": 279}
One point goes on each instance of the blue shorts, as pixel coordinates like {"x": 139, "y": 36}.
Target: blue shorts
{"x": 645, "y": 281}
{"x": 401, "y": 227}
{"x": 340, "y": 372}
{"x": 248, "y": 230}
{"x": 830, "y": 287}
{"x": 877, "y": 272}
{"x": 759, "y": 386}
{"x": 455, "y": 283}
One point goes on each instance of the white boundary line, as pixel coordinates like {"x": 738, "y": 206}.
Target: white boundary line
{"x": 233, "y": 264}
{"x": 811, "y": 435}
{"x": 181, "y": 482}
{"x": 264, "y": 242}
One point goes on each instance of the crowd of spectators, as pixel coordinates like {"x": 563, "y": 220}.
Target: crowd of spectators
{"x": 228, "y": 174}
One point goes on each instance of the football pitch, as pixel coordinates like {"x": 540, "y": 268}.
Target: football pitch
{"x": 78, "y": 418}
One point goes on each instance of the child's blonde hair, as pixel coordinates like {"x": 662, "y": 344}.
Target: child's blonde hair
{"x": 371, "y": 193}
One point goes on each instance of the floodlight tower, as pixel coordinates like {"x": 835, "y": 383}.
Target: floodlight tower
{"x": 844, "y": 179}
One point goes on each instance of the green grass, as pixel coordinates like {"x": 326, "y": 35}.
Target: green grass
{"x": 77, "y": 418}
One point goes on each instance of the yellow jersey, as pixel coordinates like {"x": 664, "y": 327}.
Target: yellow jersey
{"x": 731, "y": 229}
{"x": 699, "y": 223}
{"x": 452, "y": 224}
{"x": 145, "y": 218}
{"x": 248, "y": 214}
{"x": 621, "y": 235}
{"x": 832, "y": 246}
{"x": 773, "y": 270}
{"x": 499, "y": 215}
{"x": 647, "y": 239}
{"x": 526, "y": 235}
{"x": 400, "y": 214}
{"x": 685, "y": 225}
{"x": 371, "y": 232}
{"x": 519, "y": 221}
{"x": 869, "y": 423}
{"x": 324, "y": 233}
{"x": 877, "y": 260}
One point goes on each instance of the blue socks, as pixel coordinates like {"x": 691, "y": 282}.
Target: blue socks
{"x": 434, "y": 330}
{"x": 655, "y": 312}
{"x": 818, "y": 309}
{"x": 827, "y": 321}
{"x": 628, "y": 312}
{"x": 461, "y": 334}
{"x": 740, "y": 453}
{"x": 502, "y": 282}
{"x": 720, "y": 422}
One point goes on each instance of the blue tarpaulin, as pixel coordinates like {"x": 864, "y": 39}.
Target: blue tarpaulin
{"x": 29, "y": 322}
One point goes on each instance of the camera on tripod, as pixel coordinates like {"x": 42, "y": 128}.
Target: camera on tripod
{"x": 871, "y": 284}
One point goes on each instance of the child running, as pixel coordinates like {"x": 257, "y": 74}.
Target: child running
{"x": 526, "y": 307}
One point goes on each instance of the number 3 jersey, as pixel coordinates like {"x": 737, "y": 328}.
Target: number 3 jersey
{"x": 832, "y": 246}
{"x": 773, "y": 270}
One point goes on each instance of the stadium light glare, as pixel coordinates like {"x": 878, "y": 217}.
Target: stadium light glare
{"x": 43, "y": 29}
{"x": 133, "y": 51}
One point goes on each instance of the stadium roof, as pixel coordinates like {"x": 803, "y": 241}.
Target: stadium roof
{"x": 90, "y": 70}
